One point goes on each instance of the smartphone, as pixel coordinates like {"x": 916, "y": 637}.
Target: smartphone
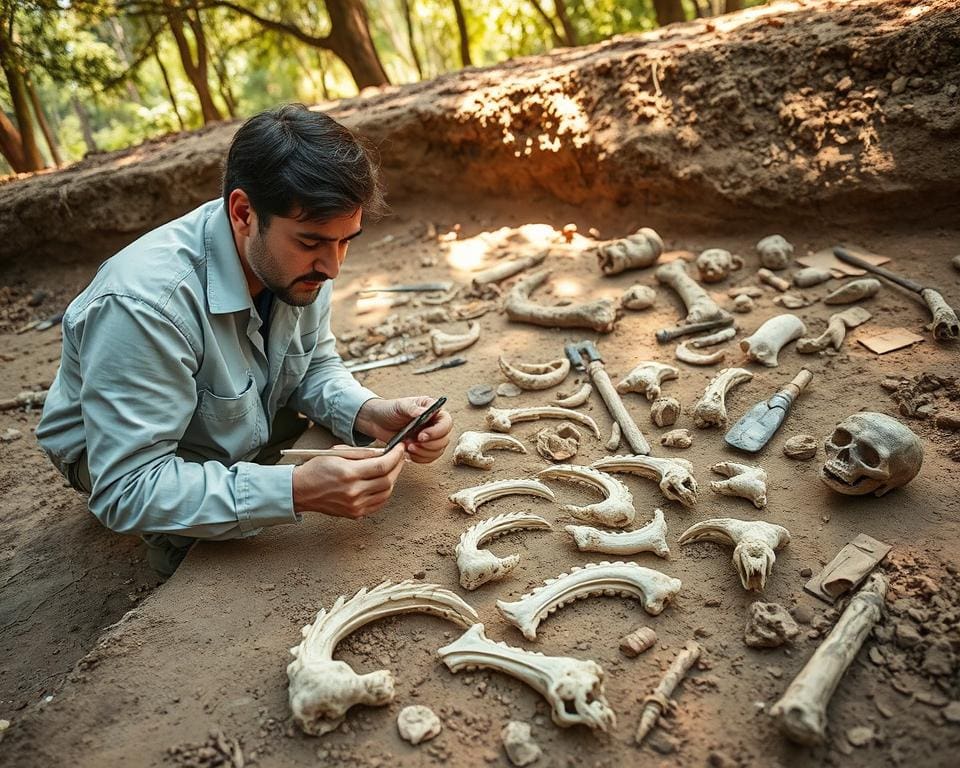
{"x": 415, "y": 426}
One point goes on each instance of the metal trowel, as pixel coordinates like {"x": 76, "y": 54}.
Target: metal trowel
{"x": 758, "y": 425}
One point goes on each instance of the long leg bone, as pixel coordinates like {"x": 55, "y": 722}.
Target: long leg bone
{"x": 675, "y": 476}
{"x": 700, "y": 306}
{"x": 535, "y": 376}
{"x": 599, "y": 315}
{"x": 943, "y": 319}
{"x": 470, "y": 499}
{"x": 646, "y": 378}
{"x": 754, "y": 543}
{"x": 615, "y": 511}
{"x": 837, "y": 328}
{"x": 766, "y": 342}
{"x": 711, "y": 409}
{"x": 576, "y": 399}
{"x": 802, "y": 711}
{"x": 574, "y": 687}
{"x": 686, "y": 355}
{"x": 503, "y": 419}
{"x": 651, "y": 538}
{"x": 478, "y": 566}
{"x": 635, "y": 251}
{"x": 471, "y": 445}
{"x": 652, "y": 588}
{"x": 659, "y": 701}
{"x": 322, "y": 689}
{"x": 744, "y": 481}
{"x": 447, "y": 343}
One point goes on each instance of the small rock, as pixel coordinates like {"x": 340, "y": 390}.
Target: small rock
{"x": 938, "y": 660}
{"x": 803, "y": 614}
{"x": 9, "y": 435}
{"x": 743, "y": 304}
{"x": 418, "y": 723}
{"x": 509, "y": 389}
{"x": 931, "y": 698}
{"x": 638, "y": 297}
{"x": 845, "y": 84}
{"x": 898, "y": 86}
{"x": 702, "y": 632}
{"x": 775, "y": 672}
{"x": 719, "y": 760}
{"x": 480, "y": 395}
{"x": 906, "y": 635}
{"x": 558, "y": 443}
{"x": 800, "y": 447}
{"x": 806, "y": 573}
{"x": 519, "y": 744}
{"x": 951, "y": 712}
{"x": 677, "y": 438}
{"x": 860, "y": 736}
{"x": 662, "y": 743}
{"x": 713, "y": 602}
{"x": 769, "y": 626}
{"x": 876, "y": 656}
{"x": 37, "y": 297}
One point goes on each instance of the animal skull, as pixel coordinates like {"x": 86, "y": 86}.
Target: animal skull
{"x": 870, "y": 453}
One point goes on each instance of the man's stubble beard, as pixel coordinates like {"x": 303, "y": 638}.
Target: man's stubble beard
{"x": 264, "y": 269}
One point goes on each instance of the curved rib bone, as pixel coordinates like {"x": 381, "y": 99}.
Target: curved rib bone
{"x": 767, "y": 341}
{"x": 577, "y": 399}
{"x": 651, "y": 538}
{"x": 636, "y": 251}
{"x": 646, "y": 378}
{"x": 744, "y": 481}
{"x": 574, "y": 687}
{"x": 837, "y": 328}
{"x": 447, "y": 343}
{"x": 321, "y": 689}
{"x": 535, "y": 376}
{"x": 478, "y": 566}
{"x": 686, "y": 355}
{"x": 471, "y": 445}
{"x": 470, "y": 499}
{"x": 754, "y": 543}
{"x": 616, "y": 510}
{"x": 711, "y": 409}
{"x": 675, "y": 476}
{"x": 600, "y": 315}
{"x": 503, "y": 419}
{"x": 652, "y": 588}
{"x": 700, "y": 307}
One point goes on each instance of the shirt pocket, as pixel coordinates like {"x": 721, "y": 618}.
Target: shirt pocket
{"x": 225, "y": 428}
{"x": 216, "y": 408}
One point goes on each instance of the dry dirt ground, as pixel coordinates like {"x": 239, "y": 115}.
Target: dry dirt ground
{"x": 205, "y": 653}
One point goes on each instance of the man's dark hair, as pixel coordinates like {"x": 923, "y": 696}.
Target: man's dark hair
{"x": 294, "y": 162}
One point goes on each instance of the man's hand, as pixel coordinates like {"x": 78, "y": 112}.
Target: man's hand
{"x": 382, "y": 419}
{"x": 354, "y": 487}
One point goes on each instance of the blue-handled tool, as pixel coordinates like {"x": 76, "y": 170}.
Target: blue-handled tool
{"x": 755, "y": 428}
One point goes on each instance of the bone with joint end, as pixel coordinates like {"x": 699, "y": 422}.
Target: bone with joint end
{"x": 447, "y": 343}
{"x": 651, "y": 538}
{"x": 754, "y": 543}
{"x": 855, "y": 290}
{"x": 674, "y": 476}
{"x": 478, "y": 566}
{"x": 470, "y": 499}
{"x": 615, "y": 511}
{"x": 836, "y": 331}
{"x": 506, "y": 269}
{"x": 321, "y": 690}
{"x": 503, "y": 419}
{"x": 536, "y": 376}
{"x": 711, "y": 409}
{"x": 646, "y": 378}
{"x": 766, "y": 342}
{"x": 600, "y": 315}
{"x": 471, "y": 446}
{"x": 577, "y": 399}
{"x": 686, "y": 355}
{"x": 774, "y": 281}
{"x": 659, "y": 701}
{"x": 700, "y": 306}
{"x": 742, "y": 480}
{"x": 635, "y": 251}
{"x": 574, "y": 687}
{"x": 677, "y": 438}
{"x": 614, "y": 442}
{"x": 802, "y": 711}
{"x": 944, "y": 322}
{"x": 652, "y": 588}
{"x": 615, "y": 407}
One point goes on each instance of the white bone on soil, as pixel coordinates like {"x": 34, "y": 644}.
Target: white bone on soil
{"x": 478, "y": 566}
{"x": 810, "y": 276}
{"x": 754, "y": 543}
{"x": 614, "y": 440}
{"x": 665, "y": 411}
{"x": 535, "y": 376}
{"x": 503, "y": 419}
{"x": 447, "y": 343}
{"x": 576, "y": 399}
{"x": 615, "y": 511}
{"x": 573, "y": 687}
{"x": 638, "y": 297}
{"x": 855, "y": 290}
{"x": 646, "y": 378}
{"x": 599, "y": 315}
{"x": 471, "y": 446}
{"x": 506, "y": 269}
{"x": 774, "y": 281}
{"x": 717, "y": 337}
{"x": 742, "y": 480}
{"x": 837, "y": 327}
{"x": 651, "y": 538}
{"x": 674, "y": 476}
{"x": 764, "y": 345}
{"x": 677, "y": 438}
{"x": 686, "y": 355}
{"x": 470, "y": 499}
{"x": 652, "y": 588}
{"x": 711, "y": 409}
{"x": 321, "y": 690}
{"x": 700, "y": 306}
{"x": 636, "y": 251}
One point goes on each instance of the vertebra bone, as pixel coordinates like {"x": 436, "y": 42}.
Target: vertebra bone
{"x": 576, "y": 399}
{"x": 767, "y": 341}
{"x": 686, "y": 355}
{"x": 321, "y": 689}
{"x": 599, "y": 315}
{"x": 535, "y": 376}
{"x": 635, "y": 251}
{"x": 675, "y": 476}
{"x": 837, "y": 328}
{"x": 615, "y": 511}
{"x": 574, "y": 687}
{"x": 447, "y": 343}
{"x": 471, "y": 445}
{"x": 744, "y": 481}
{"x": 651, "y": 538}
{"x": 478, "y": 566}
{"x": 646, "y": 378}
{"x": 503, "y": 419}
{"x": 677, "y": 438}
{"x": 638, "y": 641}
{"x": 700, "y": 306}
{"x": 754, "y": 542}
{"x": 711, "y": 409}
{"x": 664, "y": 411}
{"x": 775, "y": 252}
{"x": 470, "y": 499}
{"x": 855, "y": 290}
{"x": 652, "y": 588}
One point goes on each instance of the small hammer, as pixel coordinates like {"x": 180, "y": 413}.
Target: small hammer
{"x": 575, "y": 351}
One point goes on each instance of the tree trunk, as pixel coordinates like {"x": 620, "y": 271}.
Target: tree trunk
{"x": 413, "y": 48}
{"x": 668, "y": 11}
{"x": 569, "y": 31}
{"x": 33, "y": 160}
{"x": 166, "y": 83}
{"x": 350, "y": 39}
{"x": 11, "y": 144}
{"x": 195, "y": 71}
{"x": 85, "y": 127}
{"x": 322, "y": 66}
{"x": 120, "y": 46}
{"x": 464, "y": 37}
{"x": 44, "y": 125}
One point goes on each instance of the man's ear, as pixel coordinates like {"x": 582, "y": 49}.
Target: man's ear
{"x": 242, "y": 215}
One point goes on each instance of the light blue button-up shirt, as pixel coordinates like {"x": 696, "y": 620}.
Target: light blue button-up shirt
{"x": 164, "y": 383}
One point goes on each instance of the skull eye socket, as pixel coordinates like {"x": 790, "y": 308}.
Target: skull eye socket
{"x": 869, "y": 456}
{"x": 842, "y": 438}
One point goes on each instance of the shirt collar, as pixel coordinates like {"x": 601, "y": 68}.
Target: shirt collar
{"x": 227, "y": 289}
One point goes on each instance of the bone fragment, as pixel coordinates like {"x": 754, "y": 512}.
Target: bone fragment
{"x": 944, "y": 322}
{"x": 470, "y": 499}
{"x": 635, "y": 251}
{"x": 802, "y": 711}
{"x": 659, "y": 701}
{"x": 471, "y": 446}
{"x": 536, "y": 376}
{"x": 321, "y": 689}
{"x": 519, "y": 745}
{"x": 478, "y": 566}
{"x": 724, "y": 334}
{"x": 800, "y": 447}
{"x": 774, "y": 281}
{"x": 711, "y": 409}
{"x": 754, "y": 543}
{"x": 615, "y": 511}
{"x": 743, "y": 480}
{"x": 599, "y": 315}
{"x": 652, "y": 588}
{"x": 506, "y": 269}
{"x": 716, "y": 264}
{"x": 674, "y": 476}
{"x": 615, "y": 407}
{"x": 646, "y": 378}
{"x": 700, "y": 306}
{"x": 837, "y": 328}
{"x": 766, "y": 342}
{"x": 769, "y": 626}
{"x": 448, "y": 343}
{"x": 576, "y": 399}
{"x": 573, "y": 687}
{"x": 638, "y": 297}
{"x": 651, "y": 538}
{"x": 418, "y": 723}
{"x": 743, "y": 304}
{"x": 792, "y": 301}
{"x": 686, "y": 355}
{"x": 614, "y": 441}
{"x": 665, "y": 411}
{"x": 503, "y": 419}
{"x": 638, "y": 641}
{"x": 558, "y": 443}
{"x": 775, "y": 252}
{"x": 677, "y": 438}
{"x": 854, "y": 290}
{"x": 810, "y": 276}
